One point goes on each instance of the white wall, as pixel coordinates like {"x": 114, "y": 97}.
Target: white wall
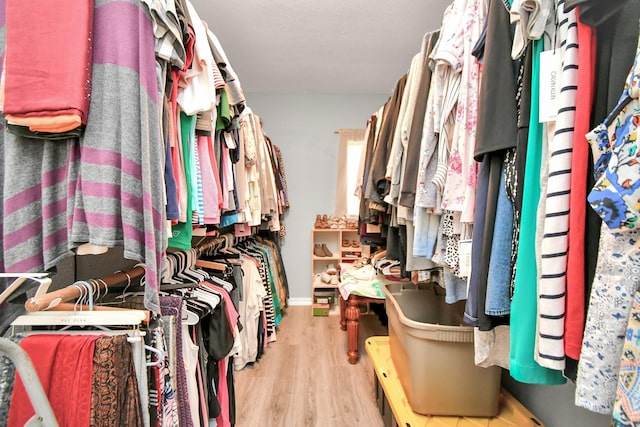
{"x": 303, "y": 126}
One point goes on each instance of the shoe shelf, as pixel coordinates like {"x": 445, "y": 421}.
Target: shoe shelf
{"x": 331, "y": 247}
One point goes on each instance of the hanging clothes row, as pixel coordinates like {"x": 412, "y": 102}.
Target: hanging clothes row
{"x": 473, "y": 169}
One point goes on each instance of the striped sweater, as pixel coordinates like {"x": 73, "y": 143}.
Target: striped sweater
{"x": 553, "y": 272}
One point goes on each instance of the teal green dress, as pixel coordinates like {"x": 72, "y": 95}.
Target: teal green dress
{"x": 183, "y": 231}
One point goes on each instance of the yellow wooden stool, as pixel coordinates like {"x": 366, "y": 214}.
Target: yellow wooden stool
{"x": 397, "y": 412}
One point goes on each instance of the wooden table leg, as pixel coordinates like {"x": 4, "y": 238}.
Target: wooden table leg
{"x": 343, "y": 319}
{"x": 352, "y": 313}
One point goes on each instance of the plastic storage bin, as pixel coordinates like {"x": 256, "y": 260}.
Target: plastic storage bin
{"x": 432, "y": 351}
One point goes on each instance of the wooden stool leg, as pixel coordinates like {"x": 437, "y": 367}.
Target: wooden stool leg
{"x": 343, "y": 319}
{"x": 353, "y": 320}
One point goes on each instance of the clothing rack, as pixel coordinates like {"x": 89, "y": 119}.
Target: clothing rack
{"x": 53, "y": 299}
{"x": 56, "y": 299}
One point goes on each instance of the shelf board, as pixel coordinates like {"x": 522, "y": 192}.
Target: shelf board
{"x": 325, "y": 286}
{"x": 355, "y": 230}
{"x": 326, "y": 258}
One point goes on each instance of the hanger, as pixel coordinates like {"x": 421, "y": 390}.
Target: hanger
{"x": 189, "y": 314}
{"x": 212, "y": 265}
{"x": 42, "y": 278}
{"x": 124, "y": 317}
{"x": 206, "y": 296}
{"x": 101, "y": 320}
{"x": 230, "y": 242}
{"x": 191, "y": 270}
{"x": 46, "y": 301}
{"x": 223, "y": 283}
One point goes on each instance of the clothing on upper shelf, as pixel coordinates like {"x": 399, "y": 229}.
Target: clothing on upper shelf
{"x": 37, "y": 97}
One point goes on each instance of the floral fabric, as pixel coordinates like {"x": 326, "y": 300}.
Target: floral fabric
{"x": 614, "y": 143}
{"x": 614, "y": 286}
{"x": 626, "y": 409}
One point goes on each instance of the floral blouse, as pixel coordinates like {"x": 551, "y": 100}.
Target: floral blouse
{"x": 614, "y": 144}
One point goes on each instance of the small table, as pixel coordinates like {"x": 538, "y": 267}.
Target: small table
{"x": 350, "y": 321}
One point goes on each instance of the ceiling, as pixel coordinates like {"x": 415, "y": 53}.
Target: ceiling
{"x": 321, "y": 46}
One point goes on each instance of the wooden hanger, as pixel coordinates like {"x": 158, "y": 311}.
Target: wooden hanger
{"x": 212, "y": 265}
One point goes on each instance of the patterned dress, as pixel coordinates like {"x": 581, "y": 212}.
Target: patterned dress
{"x": 614, "y": 148}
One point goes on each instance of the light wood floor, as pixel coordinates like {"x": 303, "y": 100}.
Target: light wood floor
{"x": 304, "y": 378}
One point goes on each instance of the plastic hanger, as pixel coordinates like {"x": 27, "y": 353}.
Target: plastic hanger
{"x": 42, "y": 278}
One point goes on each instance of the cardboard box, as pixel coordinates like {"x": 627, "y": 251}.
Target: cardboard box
{"x": 321, "y": 309}
{"x": 324, "y": 296}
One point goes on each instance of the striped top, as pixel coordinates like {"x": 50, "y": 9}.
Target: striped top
{"x": 553, "y": 251}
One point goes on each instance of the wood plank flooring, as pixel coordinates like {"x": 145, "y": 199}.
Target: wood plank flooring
{"x": 304, "y": 378}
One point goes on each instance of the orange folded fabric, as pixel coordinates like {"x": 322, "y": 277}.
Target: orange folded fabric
{"x": 48, "y": 61}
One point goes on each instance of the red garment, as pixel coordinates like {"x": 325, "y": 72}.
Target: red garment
{"x": 575, "y": 300}
{"x": 204, "y": 406}
{"x": 48, "y": 58}
{"x": 216, "y": 173}
{"x": 222, "y": 420}
{"x": 64, "y": 364}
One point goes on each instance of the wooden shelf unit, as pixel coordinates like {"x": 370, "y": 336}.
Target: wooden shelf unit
{"x": 333, "y": 238}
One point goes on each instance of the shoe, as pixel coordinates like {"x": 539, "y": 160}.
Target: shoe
{"x": 355, "y": 244}
{"x": 317, "y": 280}
{"x": 331, "y": 270}
{"x": 352, "y": 223}
{"x": 321, "y": 222}
{"x": 346, "y": 244}
{"x": 361, "y": 263}
{"x": 325, "y": 277}
{"x": 318, "y": 251}
{"x": 334, "y": 280}
{"x": 326, "y": 250}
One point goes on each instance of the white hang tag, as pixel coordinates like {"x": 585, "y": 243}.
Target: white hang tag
{"x": 549, "y": 94}
{"x": 464, "y": 252}
{"x": 228, "y": 139}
